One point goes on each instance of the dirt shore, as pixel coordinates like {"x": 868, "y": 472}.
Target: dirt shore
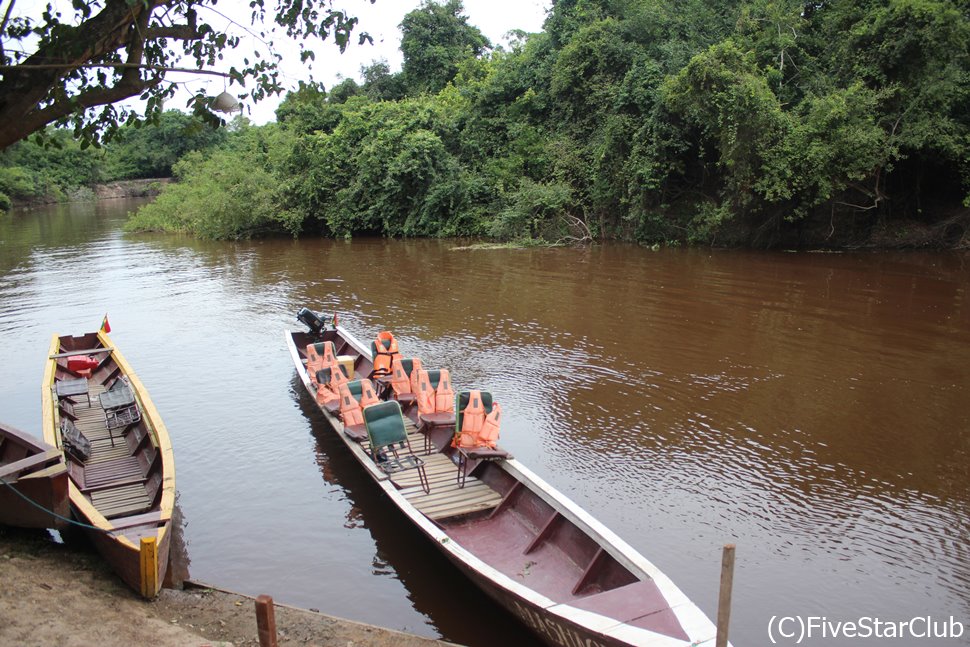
{"x": 57, "y": 594}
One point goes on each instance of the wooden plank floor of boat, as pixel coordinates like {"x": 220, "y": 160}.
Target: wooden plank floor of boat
{"x": 446, "y": 499}
{"x": 115, "y": 474}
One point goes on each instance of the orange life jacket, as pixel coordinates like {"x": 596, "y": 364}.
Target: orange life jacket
{"x": 472, "y": 421}
{"x": 319, "y": 355}
{"x": 385, "y": 352}
{"x": 352, "y": 409}
{"x": 400, "y": 380}
{"x": 488, "y": 436}
{"x": 435, "y": 399}
{"x": 415, "y": 370}
{"x": 331, "y": 390}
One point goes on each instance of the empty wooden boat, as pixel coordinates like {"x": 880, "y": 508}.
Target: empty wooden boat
{"x": 567, "y": 577}
{"x": 33, "y": 481}
{"x": 119, "y": 457}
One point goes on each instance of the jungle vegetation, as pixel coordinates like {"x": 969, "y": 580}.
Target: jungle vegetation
{"x": 754, "y": 122}
{"x": 59, "y": 168}
{"x": 75, "y": 66}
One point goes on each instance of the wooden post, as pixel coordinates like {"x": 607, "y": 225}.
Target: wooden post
{"x": 724, "y": 599}
{"x": 148, "y": 557}
{"x": 266, "y": 621}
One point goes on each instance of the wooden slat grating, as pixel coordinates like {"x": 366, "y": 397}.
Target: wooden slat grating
{"x": 109, "y": 463}
{"x": 121, "y": 501}
{"x": 446, "y": 499}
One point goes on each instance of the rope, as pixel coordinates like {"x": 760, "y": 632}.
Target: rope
{"x": 50, "y": 512}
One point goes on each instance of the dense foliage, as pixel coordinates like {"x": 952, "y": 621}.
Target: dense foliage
{"x": 231, "y": 192}
{"x": 731, "y": 122}
{"x": 62, "y": 169}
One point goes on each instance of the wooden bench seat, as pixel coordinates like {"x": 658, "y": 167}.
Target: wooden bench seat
{"x": 121, "y": 501}
{"x": 113, "y": 472}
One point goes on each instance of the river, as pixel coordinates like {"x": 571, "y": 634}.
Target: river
{"x": 812, "y": 408}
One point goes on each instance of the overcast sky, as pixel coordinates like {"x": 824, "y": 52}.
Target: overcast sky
{"x": 494, "y": 17}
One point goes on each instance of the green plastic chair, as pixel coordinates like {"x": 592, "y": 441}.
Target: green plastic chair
{"x": 321, "y": 348}
{"x": 389, "y": 445}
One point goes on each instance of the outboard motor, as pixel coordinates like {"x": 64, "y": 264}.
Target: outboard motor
{"x": 312, "y": 320}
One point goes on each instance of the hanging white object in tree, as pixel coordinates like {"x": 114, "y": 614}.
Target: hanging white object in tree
{"x": 225, "y": 102}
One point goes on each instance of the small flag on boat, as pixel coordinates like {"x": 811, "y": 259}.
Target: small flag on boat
{"x": 105, "y": 326}
{"x": 335, "y": 320}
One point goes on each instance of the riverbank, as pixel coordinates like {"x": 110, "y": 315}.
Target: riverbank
{"x": 109, "y": 191}
{"x": 59, "y": 594}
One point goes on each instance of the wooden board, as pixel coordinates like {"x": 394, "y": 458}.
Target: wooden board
{"x": 113, "y": 479}
{"x": 445, "y": 499}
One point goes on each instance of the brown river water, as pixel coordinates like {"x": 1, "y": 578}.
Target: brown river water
{"x": 812, "y": 408}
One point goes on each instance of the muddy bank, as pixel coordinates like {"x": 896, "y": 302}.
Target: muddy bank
{"x": 57, "y": 594}
{"x": 130, "y": 188}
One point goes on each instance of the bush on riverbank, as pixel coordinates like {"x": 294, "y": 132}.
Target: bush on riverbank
{"x": 228, "y": 193}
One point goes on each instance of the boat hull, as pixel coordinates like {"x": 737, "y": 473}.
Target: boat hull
{"x": 123, "y": 493}
{"x": 34, "y": 489}
{"x": 616, "y": 597}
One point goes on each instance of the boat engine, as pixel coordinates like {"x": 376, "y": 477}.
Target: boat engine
{"x": 312, "y": 320}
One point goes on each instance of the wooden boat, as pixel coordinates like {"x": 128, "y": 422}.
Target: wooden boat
{"x": 537, "y": 553}
{"x": 33, "y": 481}
{"x": 119, "y": 457}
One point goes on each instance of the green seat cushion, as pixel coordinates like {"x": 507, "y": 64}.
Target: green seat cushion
{"x": 356, "y": 389}
{"x": 385, "y": 424}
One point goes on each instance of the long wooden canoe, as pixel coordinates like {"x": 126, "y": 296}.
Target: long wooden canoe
{"x": 123, "y": 488}
{"x": 33, "y": 481}
{"x": 565, "y": 575}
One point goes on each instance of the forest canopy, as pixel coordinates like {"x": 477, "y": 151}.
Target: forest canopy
{"x": 757, "y": 122}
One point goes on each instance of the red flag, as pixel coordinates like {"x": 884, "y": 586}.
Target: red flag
{"x": 335, "y": 320}
{"x": 105, "y": 326}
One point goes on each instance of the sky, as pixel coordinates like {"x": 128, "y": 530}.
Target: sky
{"x": 494, "y": 18}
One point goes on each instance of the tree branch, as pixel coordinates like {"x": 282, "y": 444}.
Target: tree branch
{"x": 92, "y": 66}
{"x": 188, "y": 31}
{"x": 24, "y": 90}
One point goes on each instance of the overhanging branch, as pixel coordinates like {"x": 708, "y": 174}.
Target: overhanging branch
{"x": 154, "y": 68}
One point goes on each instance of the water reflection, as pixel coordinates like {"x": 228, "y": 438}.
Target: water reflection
{"x": 435, "y": 587}
{"x": 809, "y": 407}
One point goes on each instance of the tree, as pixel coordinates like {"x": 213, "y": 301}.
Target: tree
{"x": 74, "y": 70}
{"x": 435, "y": 38}
{"x": 380, "y": 84}
{"x": 151, "y": 151}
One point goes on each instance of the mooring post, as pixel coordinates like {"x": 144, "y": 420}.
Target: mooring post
{"x": 266, "y": 621}
{"x": 724, "y": 599}
{"x": 148, "y": 562}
